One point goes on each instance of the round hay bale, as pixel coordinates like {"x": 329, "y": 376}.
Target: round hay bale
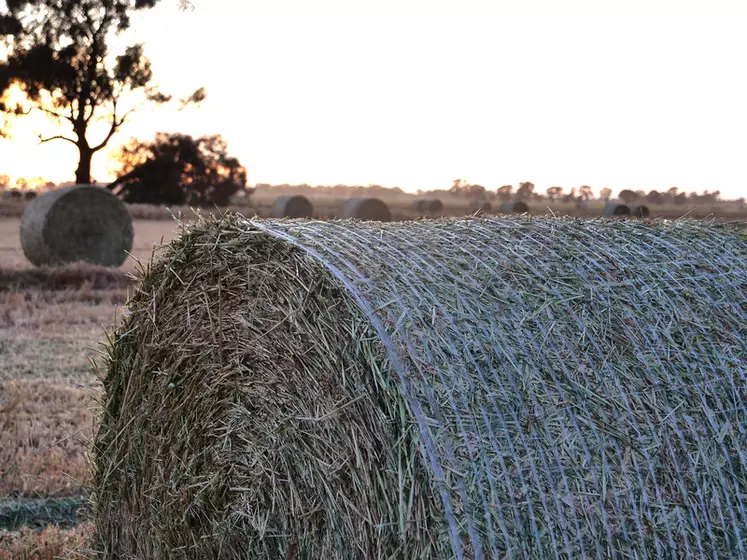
{"x": 78, "y": 223}
{"x": 428, "y": 206}
{"x": 515, "y": 207}
{"x": 616, "y": 208}
{"x": 29, "y": 195}
{"x": 481, "y": 206}
{"x": 640, "y": 211}
{"x": 473, "y": 388}
{"x": 295, "y": 206}
{"x": 369, "y": 209}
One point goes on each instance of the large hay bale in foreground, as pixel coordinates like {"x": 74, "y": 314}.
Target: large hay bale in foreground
{"x": 78, "y": 223}
{"x": 514, "y": 207}
{"x": 475, "y": 388}
{"x": 295, "y": 206}
{"x": 369, "y": 209}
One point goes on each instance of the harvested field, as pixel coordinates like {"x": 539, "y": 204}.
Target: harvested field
{"x": 479, "y": 388}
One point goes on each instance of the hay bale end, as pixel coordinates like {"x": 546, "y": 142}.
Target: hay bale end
{"x": 428, "y": 206}
{"x": 616, "y": 209}
{"x": 76, "y": 224}
{"x": 292, "y": 206}
{"x": 515, "y": 207}
{"x": 640, "y": 211}
{"x": 368, "y": 209}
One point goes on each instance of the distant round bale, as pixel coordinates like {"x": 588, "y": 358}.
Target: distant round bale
{"x": 482, "y": 206}
{"x": 369, "y": 209}
{"x": 29, "y": 195}
{"x": 640, "y": 211}
{"x": 292, "y": 206}
{"x": 616, "y": 208}
{"x": 514, "y": 207}
{"x": 78, "y": 223}
{"x": 428, "y": 206}
{"x": 12, "y": 194}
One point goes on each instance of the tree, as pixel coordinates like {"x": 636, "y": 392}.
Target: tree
{"x": 461, "y": 187}
{"x": 57, "y": 57}
{"x": 655, "y": 197}
{"x": 605, "y": 194}
{"x": 4, "y": 182}
{"x": 504, "y": 192}
{"x": 525, "y": 190}
{"x": 628, "y": 196}
{"x": 554, "y": 193}
{"x": 178, "y": 169}
{"x": 585, "y": 192}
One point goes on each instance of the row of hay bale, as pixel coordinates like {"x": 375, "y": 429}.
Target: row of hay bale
{"x": 465, "y": 388}
{"x": 617, "y": 208}
{"x": 298, "y": 206}
{"x": 16, "y": 195}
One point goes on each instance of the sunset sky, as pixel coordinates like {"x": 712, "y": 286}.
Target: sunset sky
{"x": 640, "y": 94}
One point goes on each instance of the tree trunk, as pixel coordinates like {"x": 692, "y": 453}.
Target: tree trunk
{"x": 83, "y": 173}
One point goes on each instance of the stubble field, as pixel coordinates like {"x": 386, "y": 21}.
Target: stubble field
{"x": 52, "y": 325}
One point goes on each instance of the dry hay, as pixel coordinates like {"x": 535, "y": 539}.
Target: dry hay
{"x": 369, "y": 209}
{"x": 616, "y": 208}
{"x": 481, "y": 206}
{"x": 514, "y": 207}
{"x": 79, "y": 223}
{"x": 473, "y": 388}
{"x": 292, "y": 206}
{"x": 428, "y": 206}
{"x": 640, "y": 211}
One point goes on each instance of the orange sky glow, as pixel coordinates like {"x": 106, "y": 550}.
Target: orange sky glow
{"x": 641, "y": 94}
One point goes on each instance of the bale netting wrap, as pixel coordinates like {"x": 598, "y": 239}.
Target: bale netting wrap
{"x": 474, "y": 388}
{"x": 295, "y": 206}
{"x": 78, "y": 223}
{"x": 615, "y": 209}
{"x": 515, "y": 207}
{"x": 369, "y": 209}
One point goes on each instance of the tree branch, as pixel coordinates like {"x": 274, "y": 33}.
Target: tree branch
{"x": 60, "y": 137}
{"x": 116, "y": 123}
{"x": 56, "y": 114}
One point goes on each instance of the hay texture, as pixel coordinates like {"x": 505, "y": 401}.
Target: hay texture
{"x": 474, "y": 388}
{"x": 514, "y": 207}
{"x": 640, "y": 211}
{"x": 615, "y": 209}
{"x": 295, "y": 206}
{"x": 80, "y": 223}
{"x": 428, "y": 206}
{"x": 369, "y": 209}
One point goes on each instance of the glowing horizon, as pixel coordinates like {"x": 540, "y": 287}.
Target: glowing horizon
{"x": 645, "y": 95}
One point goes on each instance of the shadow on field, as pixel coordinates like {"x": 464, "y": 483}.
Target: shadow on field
{"x": 74, "y": 276}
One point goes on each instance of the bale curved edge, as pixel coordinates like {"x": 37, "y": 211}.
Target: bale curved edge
{"x": 474, "y": 388}
{"x": 76, "y": 224}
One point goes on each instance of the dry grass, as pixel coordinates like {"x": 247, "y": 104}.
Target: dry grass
{"x": 44, "y": 430}
{"x": 50, "y": 544}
